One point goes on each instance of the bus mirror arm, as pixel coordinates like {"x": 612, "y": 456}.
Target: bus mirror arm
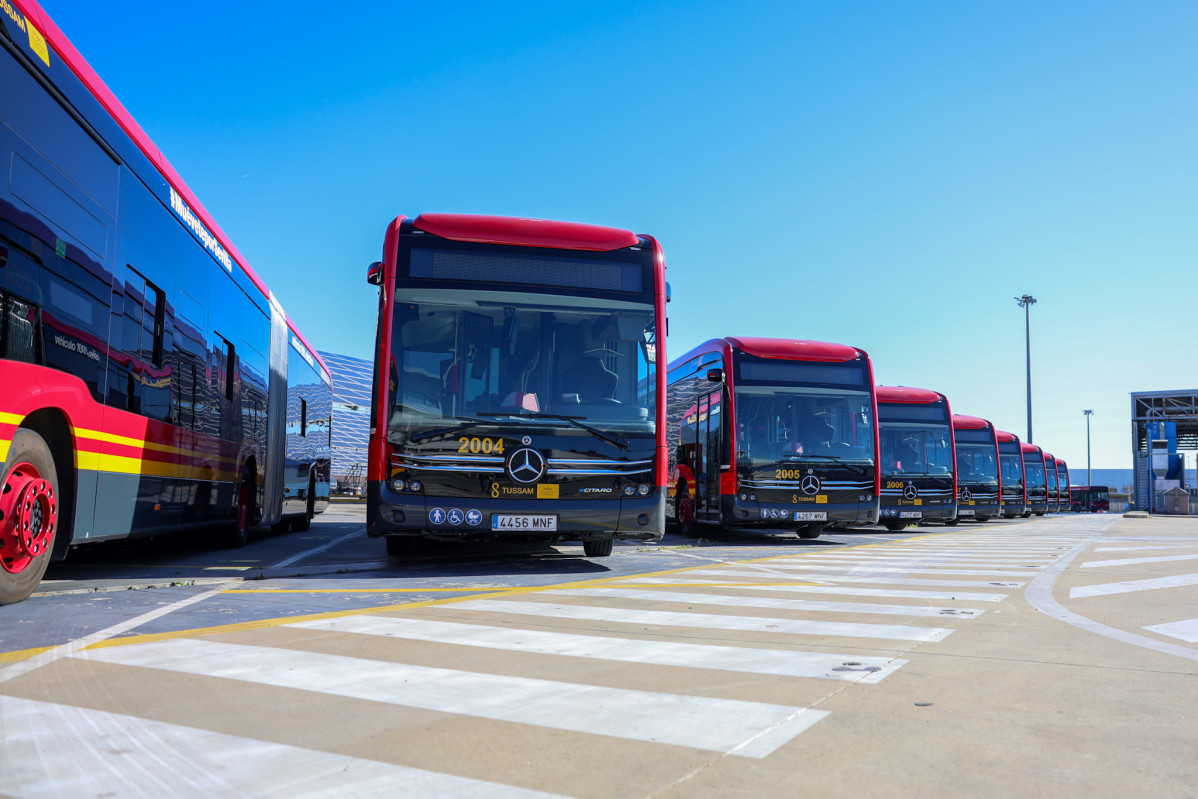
{"x": 374, "y": 274}
{"x": 715, "y": 375}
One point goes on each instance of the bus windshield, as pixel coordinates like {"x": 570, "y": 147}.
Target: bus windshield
{"x": 915, "y": 449}
{"x": 457, "y": 354}
{"x": 1036, "y": 481}
{"x": 976, "y": 458}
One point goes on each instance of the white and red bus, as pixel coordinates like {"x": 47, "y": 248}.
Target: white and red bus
{"x": 1014, "y": 491}
{"x": 149, "y": 381}
{"x": 517, "y": 389}
{"x": 773, "y": 433}
{"x": 979, "y": 492}
{"x": 1053, "y": 495}
{"x": 919, "y": 460}
{"x": 1035, "y": 478}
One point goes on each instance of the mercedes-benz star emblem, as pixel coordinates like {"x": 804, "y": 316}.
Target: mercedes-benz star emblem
{"x": 910, "y": 491}
{"x": 526, "y": 465}
{"x": 810, "y": 484}
{"x": 966, "y": 495}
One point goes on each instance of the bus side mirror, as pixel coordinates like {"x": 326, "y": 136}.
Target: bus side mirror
{"x": 715, "y": 375}
{"x": 374, "y": 274}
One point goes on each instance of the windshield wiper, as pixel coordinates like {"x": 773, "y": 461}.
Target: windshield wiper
{"x": 467, "y": 423}
{"x": 853, "y": 467}
{"x": 573, "y": 420}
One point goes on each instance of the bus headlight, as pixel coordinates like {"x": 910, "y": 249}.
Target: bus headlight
{"x": 743, "y": 497}
{"x": 416, "y": 486}
{"x": 643, "y": 489}
{"x": 629, "y": 490}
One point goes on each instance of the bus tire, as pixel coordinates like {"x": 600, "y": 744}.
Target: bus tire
{"x": 239, "y": 534}
{"x": 894, "y": 527}
{"x": 810, "y": 530}
{"x": 684, "y": 511}
{"x": 598, "y": 547}
{"x": 301, "y": 524}
{"x": 29, "y": 515}
{"x": 401, "y": 546}
{"x": 951, "y": 522}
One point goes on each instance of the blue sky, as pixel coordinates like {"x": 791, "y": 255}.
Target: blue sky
{"x": 887, "y": 175}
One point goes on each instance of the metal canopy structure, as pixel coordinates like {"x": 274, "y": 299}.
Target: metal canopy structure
{"x": 1178, "y": 407}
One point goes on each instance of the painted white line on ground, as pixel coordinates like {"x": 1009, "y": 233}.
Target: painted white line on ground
{"x": 895, "y": 593}
{"x": 69, "y": 648}
{"x": 1130, "y": 586}
{"x": 729, "y": 600}
{"x": 747, "y": 660}
{"x": 889, "y": 558}
{"x": 909, "y": 568}
{"x": 720, "y": 725}
{"x": 1096, "y": 564}
{"x": 706, "y": 621}
{"x": 843, "y": 577}
{"x": 63, "y": 751}
{"x": 1182, "y": 630}
{"x": 317, "y": 550}
{"x": 1141, "y": 549}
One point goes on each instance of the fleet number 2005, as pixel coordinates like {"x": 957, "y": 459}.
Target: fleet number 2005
{"x": 788, "y": 474}
{"x": 474, "y": 445}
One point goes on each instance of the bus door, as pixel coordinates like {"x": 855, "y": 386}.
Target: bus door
{"x": 711, "y": 439}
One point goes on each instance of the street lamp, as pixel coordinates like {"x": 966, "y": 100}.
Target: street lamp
{"x": 1026, "y": 302}
{"x": 1088, "y": 414}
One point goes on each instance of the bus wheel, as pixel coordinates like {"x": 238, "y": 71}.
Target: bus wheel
{"x": 239, "y": 536}
{"x": 28, "y": 516}
{"x": 810, "y": 530}
{"x": 301, "y": 523}
{"x": 894, "y": 527}
{"x": 951, "y": 522}
{"x": 399, "y": 546}
{"x": 597, "y": 547}
{"x": 684, "y": 511}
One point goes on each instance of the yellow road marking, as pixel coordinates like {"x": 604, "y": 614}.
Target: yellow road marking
{"x": 23, "y": 654}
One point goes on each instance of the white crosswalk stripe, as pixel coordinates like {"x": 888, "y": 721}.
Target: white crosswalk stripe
{"x": 896, "y": 593}
{"x": 1094, "y": 564}
{"x": 1129, "y": 586}
{"x": 847, "y": 576}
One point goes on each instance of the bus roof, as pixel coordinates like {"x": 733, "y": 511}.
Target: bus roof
{"x": 104, "y": 96}
{"x": 908, "y": 395}
{"x": 525, "y": 232}
{"x": 1003, "y": 436}
{"x": 962, "y": 422}
{"x": 1026, "y": 447}
{"x": 795, "y": 349}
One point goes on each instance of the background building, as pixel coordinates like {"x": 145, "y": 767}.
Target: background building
{"x": 351, "y": 417}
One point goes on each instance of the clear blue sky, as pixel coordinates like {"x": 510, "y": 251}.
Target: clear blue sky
{"x": 888, "y": 175}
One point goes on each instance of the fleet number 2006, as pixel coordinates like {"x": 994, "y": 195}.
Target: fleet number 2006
{"x": 474, "y": 445}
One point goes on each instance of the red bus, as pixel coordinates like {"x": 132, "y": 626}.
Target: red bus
{"x": 1050, "y": 473}
{"x": 517, "y": 383}
{"x": 1035, "y": 479}
{"x": 978, "y": 489}
{"x": 1062, "y": 486}
{"x": 773, "y": 433}
{"x": 1089, "y": 499}
{"x": 918, "y": 457}
{"x": 1014, "y": 491}
{"x": 151, "y": 382}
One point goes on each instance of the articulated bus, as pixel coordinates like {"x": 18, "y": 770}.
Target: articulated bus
{"x": 919, "y": 461}
{"x": 773, "y": 433}
{"x": 1014, "y": 493}
{"x": 149, "y": 381}
{"x": 1089, "y": 499}
{"x": 1063, "y": 485}
{"x": 1035, "y": 479}
{"x": 516, "y": 383}
{"x": 1050, "y": 475}
{"x": 978, "y": 490}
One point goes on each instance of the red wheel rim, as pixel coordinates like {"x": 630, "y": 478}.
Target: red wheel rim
{"x": 28, "y": 518}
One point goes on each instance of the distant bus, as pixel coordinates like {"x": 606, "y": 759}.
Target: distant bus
{"x": 1062, "y": 485}
{"x": 918, "y": 463}
{"x": 773, "y": 433}
{"x": 1035, "y": 479}
{"x": 1053, "y": 499}
{"x": 978, "y": 489}
{"x": 517, "y": 388}
{"x": 149, "y": 381}
{"x": 1089, "y": 499}
{"x": 1014, "y": 495}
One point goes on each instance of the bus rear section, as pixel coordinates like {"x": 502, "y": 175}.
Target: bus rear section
{"x": 978, "y": 487}
{"x": 773, "y": 433}
{"x": 1052, "y": 497}
{"x": 1014, "y": 492}
{"x": 516, "y": 383}
{"x": 1089, "y": 499}
{"x": 1035, "y": 479}
{"x": 919, "y": 463}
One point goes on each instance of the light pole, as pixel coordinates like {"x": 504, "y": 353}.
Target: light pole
{"x": 1088, "y": 414}
{"x": 1026, "y": 302}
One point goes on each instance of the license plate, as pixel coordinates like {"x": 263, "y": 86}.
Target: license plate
{"x": 810, "y": 516}
{"x": 965, "y": 512}
{"x": 524, "y": 522}
{"x": 910, "y": 514}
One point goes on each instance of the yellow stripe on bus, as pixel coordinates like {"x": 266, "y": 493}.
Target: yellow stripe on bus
{"x": 10, "y": 418}
{"x": 119, "y": 464}
{"x": 112, "y": 438}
